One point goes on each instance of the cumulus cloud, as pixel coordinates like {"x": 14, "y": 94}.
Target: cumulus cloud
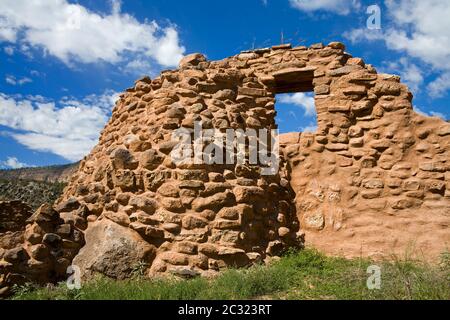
{"x": 69, "y": 128}
{"x": 429, "y": 35}
{"x": 73, "y": 33}
{"x": 12, "y": 163}
{"x": 300, "y": 99}
{"x": 342, "y": 7}
{"x": 425, "y": 37}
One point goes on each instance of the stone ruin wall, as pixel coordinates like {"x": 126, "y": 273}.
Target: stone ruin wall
{"x": 129, "y": 203}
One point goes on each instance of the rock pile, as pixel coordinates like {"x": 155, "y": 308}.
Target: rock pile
{"x": 38, "y": 250}
{"x": 130, "y": 204}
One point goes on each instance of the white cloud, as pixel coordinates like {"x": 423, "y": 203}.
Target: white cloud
{"x": 167, "y": 50}
{"x": 7, "y": 33}
{"x": 12, "y": 163}
{"x": 70, "y": 129}
{"x": 439, "y": 115}
{"x": 430, "y": 114}
{"x": 411, "y": 74}
{"x": 72, "y": 33}
{"x": 301, "y": 100}
{"x": 362, "y": 34}
{"x": 420, "y": 111}
{"x": 12, "y": 80}
{"x": 35, "y": 73}
{"x": 138, "y": 67}
{"x": 311, "y": 127}
{"x": 421, "y": 29}
{"x": 342, "y": 7}
{"x": 440, "y": 85}
{"x": 429, "y": 34}
{"x": 292, "y": 114}
{"x": 9, "y": 50}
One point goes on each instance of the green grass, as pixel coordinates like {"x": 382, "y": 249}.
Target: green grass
{"x": 298, "y": 275}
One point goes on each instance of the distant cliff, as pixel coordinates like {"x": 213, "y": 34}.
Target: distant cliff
{"x": 35, "y": 186}
{"x": 33, "y": 193}
{"x": 45, "y": 174}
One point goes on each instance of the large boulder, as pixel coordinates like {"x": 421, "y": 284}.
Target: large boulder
{"x": 112, "y": 250}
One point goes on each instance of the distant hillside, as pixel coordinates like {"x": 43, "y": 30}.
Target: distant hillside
{"x": 35, "y": 186}
{"x": 33, "y": 193}
{"x": 45, "y": 174}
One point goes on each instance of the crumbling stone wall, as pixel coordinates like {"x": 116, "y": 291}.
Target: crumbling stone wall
{"x": 130, "y": 199}
{"x": 198, "y": 218}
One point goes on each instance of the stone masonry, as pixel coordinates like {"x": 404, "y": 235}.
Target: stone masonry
{"x": 130, "y": 205}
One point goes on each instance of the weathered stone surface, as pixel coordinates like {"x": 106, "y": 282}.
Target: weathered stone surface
{"x": 248, "y": 194}
{"x": 343, "y": 71}
{"x": 112, "y": 250}
{"x": 214, "y": 202}
{"x": 67, "y": 206}
{"x": 150, "y": 159}
{"x": 194, "y": 222}
{"x": 293, "y": 72}
{"x": 122, "y": 159}
{"x": 192, "y": 59}
{"x": 144, "y": 203}
{"x": 120, "y": 218}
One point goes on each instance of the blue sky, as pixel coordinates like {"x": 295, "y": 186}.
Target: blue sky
{"x": 63, "y": 62}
